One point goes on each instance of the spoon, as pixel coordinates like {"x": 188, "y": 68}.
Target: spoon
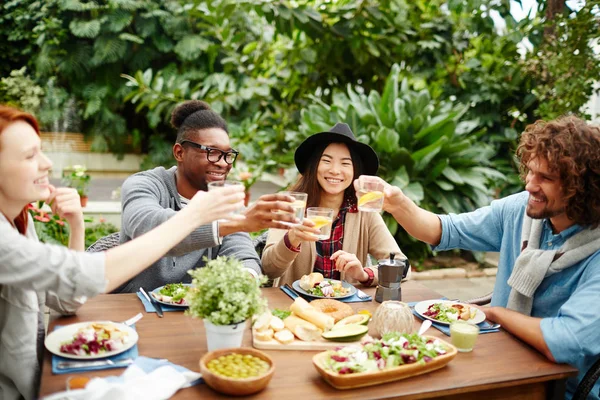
{"x": 424, "y": 326}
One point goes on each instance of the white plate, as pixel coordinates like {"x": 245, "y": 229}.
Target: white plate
{"x": 65, "y": 334}
{"x": 169, "y": 304}
{"x": 297, "y": 288}
{"x": 422, "y": 307}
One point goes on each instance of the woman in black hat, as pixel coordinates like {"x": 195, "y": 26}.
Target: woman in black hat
{"x": 328, "y": 163}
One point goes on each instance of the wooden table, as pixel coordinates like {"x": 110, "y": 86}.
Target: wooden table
{"x": 500, "y": 367}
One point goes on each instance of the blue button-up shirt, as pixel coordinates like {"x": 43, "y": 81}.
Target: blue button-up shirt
{"x": 567, "y": 301}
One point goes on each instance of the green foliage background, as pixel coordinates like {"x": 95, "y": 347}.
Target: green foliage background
{"x": 434, "y": 85}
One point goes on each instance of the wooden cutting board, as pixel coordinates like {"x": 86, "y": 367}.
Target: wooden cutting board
{"x": 297, "y": 344}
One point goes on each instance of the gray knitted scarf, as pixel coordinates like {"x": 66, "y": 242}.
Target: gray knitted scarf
{"x": 533, "y": 264}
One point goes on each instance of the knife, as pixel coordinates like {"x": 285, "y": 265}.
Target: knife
{"x": 100, "y": 363}
{"x": 154, "y": 303}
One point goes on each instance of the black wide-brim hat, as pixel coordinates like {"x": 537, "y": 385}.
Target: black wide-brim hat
{"x": 340, "y": 133}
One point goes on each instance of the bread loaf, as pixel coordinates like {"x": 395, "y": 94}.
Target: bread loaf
{"x": 301, "y": 308}
{"x": 303, "y": 329}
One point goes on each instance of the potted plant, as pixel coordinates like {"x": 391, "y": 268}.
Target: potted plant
{"x": 224, "y": 295}
{"x": 79, "y": 179}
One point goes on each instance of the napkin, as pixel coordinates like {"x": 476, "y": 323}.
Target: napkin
{"x": 445, "y": 329}
{"x": 352, "y": 299}
{"x": 131, "y": 353}
{"x": 150, "y": 308}
{"x": 147, "y": 378}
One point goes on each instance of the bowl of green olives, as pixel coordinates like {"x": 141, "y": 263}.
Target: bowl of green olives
{"x": 237, "y": 371}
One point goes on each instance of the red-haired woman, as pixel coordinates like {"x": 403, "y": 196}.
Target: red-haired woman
{"x": 33, "y": 274}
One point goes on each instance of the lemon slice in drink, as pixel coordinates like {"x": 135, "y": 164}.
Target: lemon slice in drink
{"x": 369, "y": 197}
{"x": 320, "y": 221}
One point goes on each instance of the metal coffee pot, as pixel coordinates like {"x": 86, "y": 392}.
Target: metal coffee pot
{"x": 391, "y": 273}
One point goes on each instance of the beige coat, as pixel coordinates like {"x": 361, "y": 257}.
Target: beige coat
{"x": 364, "y": 233}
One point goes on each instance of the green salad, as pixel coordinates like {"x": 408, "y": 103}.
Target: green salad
{"x": 173, "y": 293}
{"x": 393, "y": 350}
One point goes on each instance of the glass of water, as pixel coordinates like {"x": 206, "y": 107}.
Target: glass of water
{"x": 322, "y": 218}
{"x": 370, "y": 194}
{"x": 299, "y": 205}
{"x": 220, "y": 184}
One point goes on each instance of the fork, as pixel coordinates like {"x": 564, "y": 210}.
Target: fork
{"x": 361, "y": 294}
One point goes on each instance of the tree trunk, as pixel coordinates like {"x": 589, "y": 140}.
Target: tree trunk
{"x": 553, "y": 7}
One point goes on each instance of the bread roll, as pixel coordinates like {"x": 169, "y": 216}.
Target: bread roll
{"x": 301, "y": 308}
{"x": 309, "y": 281}
{"x": 303, "y": 329}
{"x": 334, "y": 308}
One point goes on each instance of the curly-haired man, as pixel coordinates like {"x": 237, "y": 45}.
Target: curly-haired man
{"x": 548, "y": 281}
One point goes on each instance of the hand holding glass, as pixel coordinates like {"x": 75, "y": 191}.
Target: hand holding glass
{"x": 299, "y": 205}
{"x": 220, "y": 184}
{"x": 323, "y": 218}
{"x": 370, "y": 194}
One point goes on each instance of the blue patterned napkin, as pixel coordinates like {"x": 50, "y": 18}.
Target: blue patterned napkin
{"x": 131, "y": 353}
{"x": 150, "y": 308}
{"x": 352, "y": 299}
{"x": 445, "y": 329}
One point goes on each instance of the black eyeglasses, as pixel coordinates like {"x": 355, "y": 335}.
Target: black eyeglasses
{"x": 214, "y": 155}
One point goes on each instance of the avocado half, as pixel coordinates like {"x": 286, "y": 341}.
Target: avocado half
{"x": 347, "y": 333}
{"x": 356, "y": 319}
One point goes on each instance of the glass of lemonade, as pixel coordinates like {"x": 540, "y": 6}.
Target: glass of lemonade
{"x": 323, "y": 218}
{"x": 299, "y": 205}
{"x": 370, "y": 194}
{"x": 220, "y": 184}
{"x": 463, "y": 335}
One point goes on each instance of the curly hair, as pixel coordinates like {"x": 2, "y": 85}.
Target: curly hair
{"x": 572, "y": 149}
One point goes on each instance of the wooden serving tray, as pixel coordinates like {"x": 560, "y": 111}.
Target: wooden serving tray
{"x": 321, "y": 344}
{"x": 362, "y": 379}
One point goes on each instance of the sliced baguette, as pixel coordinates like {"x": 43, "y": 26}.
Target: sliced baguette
{"x": 303, "y": 329}
{"x": 284, "y": 336}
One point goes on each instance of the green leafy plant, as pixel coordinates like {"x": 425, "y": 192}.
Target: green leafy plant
{"x": 426, "y": 147}
{"x": 78, "y": 179}
{"x": 224, "y": 292}
{"x": 97, "y": 230}
{"x": 50, "y": 228}
{"x": 19, "y": 90}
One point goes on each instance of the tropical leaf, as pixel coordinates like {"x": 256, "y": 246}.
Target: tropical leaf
{"x": 85, "y": 29}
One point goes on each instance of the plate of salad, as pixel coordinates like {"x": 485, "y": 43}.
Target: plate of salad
{"x": 393, "y": 357}
{"x": 172, "y": 294}
{"x": 327, "y": 289}
{"x": 91, "y": 340}
{"x": 446, "y": 311}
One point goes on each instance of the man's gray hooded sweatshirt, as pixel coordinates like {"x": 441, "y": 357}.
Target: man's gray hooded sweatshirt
{"x": 149, "y": 198}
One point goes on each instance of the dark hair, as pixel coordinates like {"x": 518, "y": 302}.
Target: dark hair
{"x": 308, "y": 183}
{"x": 9, "y": 115}
{"x": 194, "y": 115}
{"x": 571, "y": 147}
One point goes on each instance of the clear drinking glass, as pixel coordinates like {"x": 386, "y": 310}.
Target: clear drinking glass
{"x": 220, "y": 184}
{"x": 463, "y": 335}
{"x": 370, "y": 194}
{"x": 299, "y": 205}
{"x": 323, "y": 218}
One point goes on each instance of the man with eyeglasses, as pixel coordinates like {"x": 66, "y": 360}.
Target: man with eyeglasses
{"x": 203, "y": 154}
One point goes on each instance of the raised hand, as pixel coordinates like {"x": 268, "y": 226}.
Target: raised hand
{"x": 393, "y": 196}
{"x": 305, "y": 232}
{"x": 268, "y": 211}
{"x": 65, "y": 203}
{"x": 216, "y": 204}
{"x": 349, "y": 264}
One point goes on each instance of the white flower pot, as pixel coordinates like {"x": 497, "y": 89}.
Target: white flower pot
{"x": 224, "y": 336}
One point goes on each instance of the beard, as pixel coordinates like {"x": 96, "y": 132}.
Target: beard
{"x": 543, "y": 213}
